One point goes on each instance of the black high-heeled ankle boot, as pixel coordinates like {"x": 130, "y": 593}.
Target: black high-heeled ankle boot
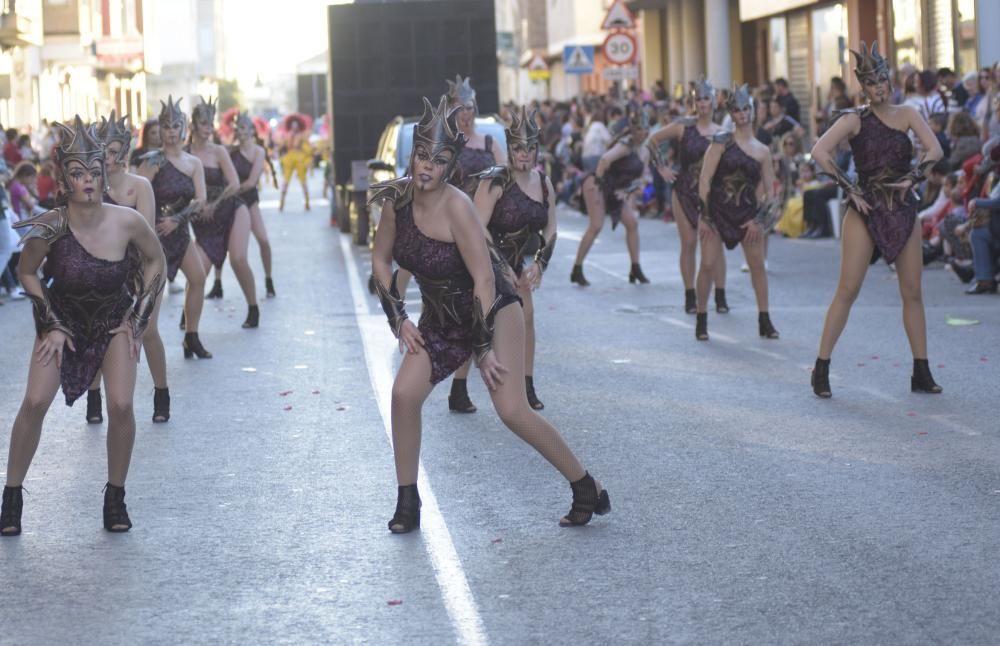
{"x": 701, "y": 326}
{"x": 216, "y": 291}
{"x": 269, "y": 287}
{"x": 576, "y": 276}
{"x": 182, "y": 324}
{"x": 635, "y": 275}
{"x": 587, "y": 501}
{"x": 115, "y": 513}
{"x": 407, "y": 516}
{"x": 721, "y": 306}
{"x": 95, "y": 407}
{"x": 529, "y": 387}
{"x": 821, "y": 378}
{"x": 161, "y": 405}
{"x": 10, "y": 512}
{"x": 253, "y": 317}
{"x": 765, "y": 327}
{"x": 458, "y": 400}
{"x": 194, "y": 348}
{"x": 690, "y": 301}
{"x": 922, "y": 381}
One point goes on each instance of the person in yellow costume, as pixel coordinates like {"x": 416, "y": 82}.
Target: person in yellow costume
{"x": 296, "y": 159}
{"x": 792, "y": 223}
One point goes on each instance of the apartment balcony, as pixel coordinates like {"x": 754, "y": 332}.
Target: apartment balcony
{"x": 20, "y": 23}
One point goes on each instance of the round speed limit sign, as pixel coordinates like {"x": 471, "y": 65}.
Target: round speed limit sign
{"x": 619, "y": 48}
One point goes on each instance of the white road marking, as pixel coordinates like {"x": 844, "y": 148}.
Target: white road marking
{"x": 378, "y": 349}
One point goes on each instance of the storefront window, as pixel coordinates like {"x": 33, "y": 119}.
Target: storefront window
{"x": 778, "y": 65}
{"x": 829, "y": 29}
{"x": 966, "y": 21}
{"x": 906, "y": 31}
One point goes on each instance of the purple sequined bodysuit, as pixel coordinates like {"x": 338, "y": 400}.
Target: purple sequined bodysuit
{"x": 212, "y": 232}
{"x": 690, "y": 153}
{"x": 447, "y": 291}
{"x": 732, "y": 198}
{"x": 882, "y": 155}
{"x": 621, "y": 174}
{"x": 173, "y": 188}
{"x": 471, "y": 161}
{"x": 243, "y": 168}
{"x": 516, "y": 223}
{"x": 91, "y": 296}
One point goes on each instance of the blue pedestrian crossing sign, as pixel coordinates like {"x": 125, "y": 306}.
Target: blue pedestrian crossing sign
{"x": 578, "y": 59}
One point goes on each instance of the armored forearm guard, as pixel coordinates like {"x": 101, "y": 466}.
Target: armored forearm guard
{"x": 544, "y": 253}
{"x": 145, "y": 303}
{"x": 46, "y": 319}
{"x": 483, "y": 325}
{"x": 841, "y": 178}
{"x": 393, "y": 306}
{"x": 919, "y": 172}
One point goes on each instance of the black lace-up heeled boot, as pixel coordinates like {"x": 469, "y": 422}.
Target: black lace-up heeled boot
{"x": 587, "y": 501}
{"x": 458, "y": 400}
{"x": 922, "y": 381}
{"x": 701, "y": 326}
{"x": 253, "y": 317}
{"x": 269, "y": 287}
{"x": 635, "y": 275}
{"x": 765, "y": 327}
{"x": 10, "y": 512}
{"x": 721, "y": 306}
{"x": 690, "y": 301}
{"x": 821, "y": 378}
{"x": 529, "y": 388}
{"x": 95, "y": 407}
{"x": 576, "y": 276}
{"x": 194, "y": 348}
{"x": 115, "y": 512}
{"x": 407, "y": 516}
{"x": 161, "y": 405}
{"x": 216, "y": 291}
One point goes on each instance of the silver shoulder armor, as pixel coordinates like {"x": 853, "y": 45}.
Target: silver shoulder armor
{"x": 49, "y": 226}
{"x": 399, "y": 191}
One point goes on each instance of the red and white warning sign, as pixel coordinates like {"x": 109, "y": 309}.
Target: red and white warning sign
{"x": 618, "y": 17}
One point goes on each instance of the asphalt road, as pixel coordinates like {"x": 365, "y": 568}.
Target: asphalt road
{"x": 745, "y": 509}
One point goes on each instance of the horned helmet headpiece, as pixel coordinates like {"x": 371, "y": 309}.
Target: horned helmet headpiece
{"x": 871, "y": 66}
{"x": 245, "y": 126}
{"x": 740, "y": 99}
{"x": 703, "y": 89}
{"x": 114, "y": 129}
{"x": 171, "y": 115}
{"x": 437, "y": 131}
{"x": 204, "y": 111}
{"x": 461, "y": 93}
{"x": 79, "y": 143}
{"x": 523, "y": 128}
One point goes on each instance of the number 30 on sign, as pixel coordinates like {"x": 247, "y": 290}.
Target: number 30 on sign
{"x": 619, "y": 48}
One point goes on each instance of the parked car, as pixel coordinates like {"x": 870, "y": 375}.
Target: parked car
{"x": 395, "y": 145}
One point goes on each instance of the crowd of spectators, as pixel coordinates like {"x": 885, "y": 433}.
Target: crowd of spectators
{"x": 960, "y": 201}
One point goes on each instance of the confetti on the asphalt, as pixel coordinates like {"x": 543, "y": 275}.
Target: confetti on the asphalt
{"x": 940, "y": 365}
{"x": 301, "y": 366}
{"x": 285, "y": 393}
{"x": 343, "y": 407}
{"x": 621, "y": 361}
{"x": 861, "y": 364}
{"x": 921, "y": 432}
{"x": 310, "y": 332}
{"x": 497, "y": 541}
{"x": 874, "y": 357}
{"x": 395, "y": 602}
{"x": 911, "y": 414}
{"x": 959, "y": 322}
{"x": 983, "y": 359}
{"x": 248, "y": 369}
{"x": 315, "y": 392}
{"x": 288, "y": 408}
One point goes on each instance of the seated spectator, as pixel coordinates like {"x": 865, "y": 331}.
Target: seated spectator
{"x": 934, "y": 198}
{"x": 952, "y": 238}
{"x": 939, "y": 124}
{"x": 974, "y": 85}
{"x": 23, "y": 190}
{"x": 779, "y": 122}
{"x": 792, "y": 223}
{"x": 47, "y": 186}
{"x": 984, "y": 221}
{"x": 965, "y": 139}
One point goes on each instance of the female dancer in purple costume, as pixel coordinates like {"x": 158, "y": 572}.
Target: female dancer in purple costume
{"x": 477, "y": 155}
{"x": 92, "y": 315}
{"x": 691, "y": 136}
{"x": 224, "y": 224}
{"x": 249, "y": 160}
{"x": 736, "y": 179}
{"x": 135, "y": 192}
{"x": 882, "y": 209}
{"x": 514, "y": 205}
{"x": 430, "y": 229}
{"x": 611, "y": 191}
{"x": 178, "y": 181}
